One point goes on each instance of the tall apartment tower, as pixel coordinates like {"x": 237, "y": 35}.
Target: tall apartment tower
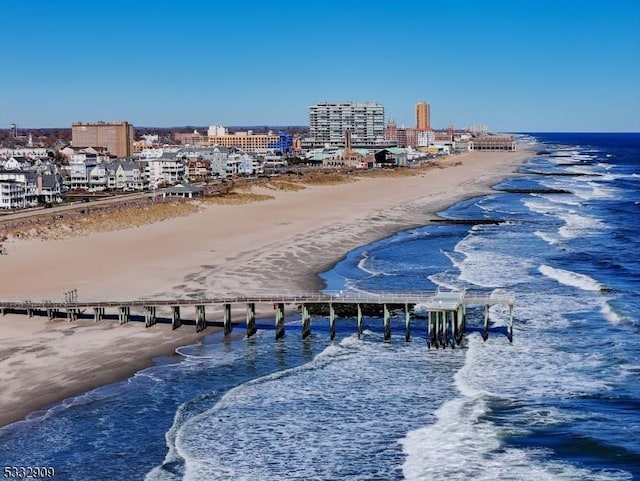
{"x": 423, "y": 116}
{"x": 328, "y": 123}
{"x": 116, "y": 137}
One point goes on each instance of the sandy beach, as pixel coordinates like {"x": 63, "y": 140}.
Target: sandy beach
{"x": 278, "y": 244}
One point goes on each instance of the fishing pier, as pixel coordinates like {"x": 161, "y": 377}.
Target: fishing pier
{"x": 445, "y": 312}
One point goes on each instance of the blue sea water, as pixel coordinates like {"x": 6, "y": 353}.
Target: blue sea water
{"x": 562, "y": 402}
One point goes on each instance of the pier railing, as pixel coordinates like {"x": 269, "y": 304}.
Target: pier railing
{"x": 429, "y": 298}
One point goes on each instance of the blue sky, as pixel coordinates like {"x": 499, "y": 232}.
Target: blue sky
{"x": 524, "y": 65}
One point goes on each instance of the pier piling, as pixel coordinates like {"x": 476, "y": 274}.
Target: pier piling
{"x": 306, "y": 322}
{"x": 387, "y": 323}
{"x": 251, "y": 319}
{"x": 175, "y": 317}
{"x": 407, "y": 323}
{"x": 98, "y": 313}
{"x": 485, "y": 330}
{"x": 228, "y": 327}
{"x": 332, "y": 322}
{"x": 201, "y": 320}
{"x": 359, "y": 320}
{"x": 149, "y": 316}
{"x": 279, "y": 307}
{"x": 124, "y": 314}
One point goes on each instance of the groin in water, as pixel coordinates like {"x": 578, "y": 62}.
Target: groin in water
{"x": 469, "y": 221}
{"x": 535, "y": 191}
{"x": 563, "y": 174}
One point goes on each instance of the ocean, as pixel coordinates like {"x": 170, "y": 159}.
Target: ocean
{"x": 562, "y": 402}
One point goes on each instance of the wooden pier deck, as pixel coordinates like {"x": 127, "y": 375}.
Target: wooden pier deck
{"x": 445, "y": 311}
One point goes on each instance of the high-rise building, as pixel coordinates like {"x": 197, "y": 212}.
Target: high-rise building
{"x": 423, "y": 116}
{"x": 116, "y": 137}
{"x": 328, "y": 123}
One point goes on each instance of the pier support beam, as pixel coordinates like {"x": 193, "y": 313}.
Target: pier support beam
{"x": 306, "y": 322}
{"x": 452, "y": 321}
{"x": 430, "y": 330}
{"x": 201, "y": 319}
{"x": 251, "y": 319}
{"x": 359, "y": 321}
{"x": 29, "y": 312}
{"x": 149, "y": 316}
{"x": 485, "y": 331}
{"x": 228, "y": 327}
{"x": 407, "y": 323}
{"x": 440, "y": 330}
{"x": 279, "y": 307}
{"x": 464, "y": 317}
{"x": 51, "y": 313}
{"x": 510, "y": 325}
{"x": 98, "y": 313}
{"x": 175, "y": 317}
{"x": 124, "y": 314}
{"x": 72, "y": 314}
{"x": 459, "y": 328}
{"x": 387, "y": 323}
{"x": 332, "y": 322}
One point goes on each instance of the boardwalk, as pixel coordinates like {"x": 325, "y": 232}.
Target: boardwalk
{"x": 445, "y": 310}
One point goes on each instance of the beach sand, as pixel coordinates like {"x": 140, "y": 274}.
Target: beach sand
{"x": 275, "y": 245}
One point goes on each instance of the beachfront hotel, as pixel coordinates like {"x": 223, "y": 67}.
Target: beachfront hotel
{"x": 116, "y": 137}
{"x": 329, "y": 121}
{"x": 248, "y": 140}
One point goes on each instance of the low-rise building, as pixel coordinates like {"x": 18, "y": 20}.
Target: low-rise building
{"x": 185, "y": 191}
{"x": 493, "y": 142}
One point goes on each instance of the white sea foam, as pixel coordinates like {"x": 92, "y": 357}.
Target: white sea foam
{"x": 540, "y": 205}
{"x": 591, "y": 190}
{"x": 462, "y": 444}
{"x": 483, "y": 267}
{"x": 303, "y": 423}
{"x": 563, "y": 199}
{"x": 570, "y": 278}
{"x": 548, "y": 238}
{"x": 610, "y": 314}
{"x": 578, "y": 225}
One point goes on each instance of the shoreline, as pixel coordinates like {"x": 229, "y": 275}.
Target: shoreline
{"x": 66, "y": 359}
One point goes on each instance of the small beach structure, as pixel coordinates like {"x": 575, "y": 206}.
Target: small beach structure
{"x": 185, "y": 191}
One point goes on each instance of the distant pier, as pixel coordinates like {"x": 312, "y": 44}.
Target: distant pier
{"x": 445, "y": 312}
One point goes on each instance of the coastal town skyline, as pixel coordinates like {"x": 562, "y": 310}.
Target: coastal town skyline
{"x": 525, "y": 67}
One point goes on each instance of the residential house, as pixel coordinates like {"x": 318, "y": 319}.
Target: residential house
{"x": 168, "y": 169}
{"x": 18, "y": 189}
{"x": 79, "y": 172}
{"x": 124, "y": 175}
{"x": 197, "y": 169}
{"x": 17, "y": 163}
{"x": 49, "y": 188}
